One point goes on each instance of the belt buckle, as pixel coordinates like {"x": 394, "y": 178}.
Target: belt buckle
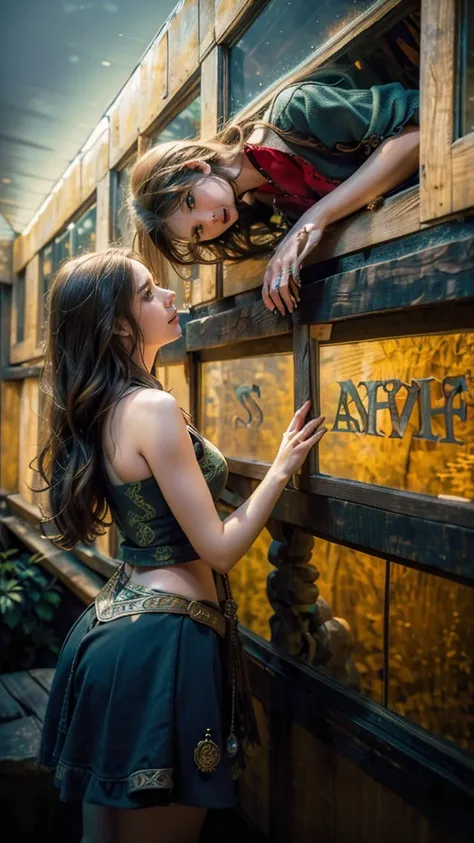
{"x": 195, "y": 610}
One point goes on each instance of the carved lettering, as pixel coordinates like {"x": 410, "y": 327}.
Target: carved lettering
{"x": 418, "y": 392}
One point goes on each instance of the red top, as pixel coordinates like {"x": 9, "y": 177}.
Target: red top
{"x": 293, "y": 181}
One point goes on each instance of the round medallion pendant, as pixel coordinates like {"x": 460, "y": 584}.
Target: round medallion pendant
{"x": 207, "y": 754}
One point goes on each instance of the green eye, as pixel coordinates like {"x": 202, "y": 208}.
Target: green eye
{"x": 190, "y": 201}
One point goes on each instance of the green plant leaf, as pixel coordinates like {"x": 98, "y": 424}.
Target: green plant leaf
{"x": 44, "y": 612}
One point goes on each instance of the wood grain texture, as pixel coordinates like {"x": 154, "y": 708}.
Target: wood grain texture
{"x": 207, "y": 29}
{"x": 9, "y": 434}
{"x": 68, "y": 196}
{"x": 30, "y": 695}
{"x": 94, "y": 164}
{"x": 431, "y": 276}
{"x": 240, "y": 277}
{"x": 104, "y": 213}
{"x": 462, "y": 164}
{"x": 44, "y": 676}
{"x": 229, "y": 14}
{"x": 243, "y": 323}
{"x": 19, "y": 743}
{"x": 124, "y": 120}
{"x": 10, "y": 708}
{"x": 437, "y": 56}
{"x": 84, "y": 583}
{"x": 153, "y": 82}
{"x": 253, "y": 785}
{"x": 28, "y": 439}
{"x": 183, "y": 41}
{"x": 441, "y": 548}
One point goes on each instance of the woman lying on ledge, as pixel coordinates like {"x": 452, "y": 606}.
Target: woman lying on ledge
{"x": 323, "y": 150}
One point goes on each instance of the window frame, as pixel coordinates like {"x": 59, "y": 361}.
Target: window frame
{"x": 446, "y": 185}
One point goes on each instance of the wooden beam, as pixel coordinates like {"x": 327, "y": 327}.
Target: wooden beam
{"x": 21, "y": 352}
{"x": 439, "y": 548}
{"x": 437, "y": 71}
{"x": 207, "y": 29}
{"x": 247, "y": 323}
{"x": 153, "y": 83}
{"x": 9, "y": 434}
{"x": 183, "y": 45}
{"x": 76, "y": 577}
{"x": 432, "y": 276}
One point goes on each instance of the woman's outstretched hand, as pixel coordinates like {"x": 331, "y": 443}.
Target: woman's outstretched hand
{"x": 282, "y": 277}
{"x": 298, "y": 440}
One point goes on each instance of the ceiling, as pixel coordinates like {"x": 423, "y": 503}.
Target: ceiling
{"x": 54, "y": 87}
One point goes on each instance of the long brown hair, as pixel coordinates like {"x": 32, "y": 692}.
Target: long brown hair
{"x": 86, "y": 371}
{"x": 160, "y": 180}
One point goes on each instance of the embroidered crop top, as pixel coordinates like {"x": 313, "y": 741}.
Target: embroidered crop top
{"x": 151, "y": 533}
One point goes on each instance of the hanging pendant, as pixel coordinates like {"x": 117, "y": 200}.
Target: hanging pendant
{"x": 232, "y": 745}
{"x": 207, "y": 754}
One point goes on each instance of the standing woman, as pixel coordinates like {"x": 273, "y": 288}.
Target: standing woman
{"x": 142, "y": 714}
{"x": 324, "y": 150}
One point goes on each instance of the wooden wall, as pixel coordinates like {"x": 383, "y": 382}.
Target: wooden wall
{"x": 304, "y": 784}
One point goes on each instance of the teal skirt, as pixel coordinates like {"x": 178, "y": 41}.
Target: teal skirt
{"x": 130, "y": 702}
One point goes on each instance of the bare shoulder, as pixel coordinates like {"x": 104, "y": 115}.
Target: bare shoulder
{"x": 153, "y": 407}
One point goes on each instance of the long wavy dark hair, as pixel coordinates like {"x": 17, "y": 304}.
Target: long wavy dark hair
{"x": 160, "y": 181}
{"x": 87, "y": 370}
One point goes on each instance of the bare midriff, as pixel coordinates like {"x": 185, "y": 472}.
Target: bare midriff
{"x": 193, "y": 580}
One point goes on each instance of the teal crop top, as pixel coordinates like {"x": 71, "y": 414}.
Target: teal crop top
{"x": 151, "y": 533}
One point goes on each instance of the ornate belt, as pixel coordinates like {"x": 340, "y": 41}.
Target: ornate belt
{"x": 133, "y": 599}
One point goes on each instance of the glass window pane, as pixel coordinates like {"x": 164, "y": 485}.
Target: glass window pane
{"x": 84, "y": 232}
{"x": 20, "y": 307}
{"x": 248, "y": 581}
{"x": 400, "y": 413}
{"x": 186, "y": 124}
{"x": 432, "y": 653}
{"x": 174, "y": 380}
{"x": 46, "y": 274}
{"x": 284, "y": 34}
{"x": 124, "y": 228}
{"x": 62, "y": 248}
{"x": 247, "y": 404}
{"x": 466, "y": 35}
{"x": 353, "y": 584}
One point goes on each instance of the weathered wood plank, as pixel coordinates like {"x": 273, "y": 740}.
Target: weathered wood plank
{"x": 444, "y": 549}
{"x": 104, "y": 212}
{"x": 153, "y": 82}
{"x": 240, "y": 277}
{"x": 76, "y": 577}
{"x": 124, "y": 120}
{"x": 207, "y": 30}
{"x": 94, "y": 164}
{"x": 437, "y": 70}
{"x": 462, "y": 158}
{"x": 229, "y": 14}
{"x": 29, "y": 435}
{"x": 10, "y": 708}
{"x": 31, "y": 696}
{"x": 9, "y": 434}
{"x": 68, "y": 196}
{"x": 44, "y": 676}
{"x": 243, "y": 323}
{"x": 19, "y": 743}
{"x": 183, "y": 41}
{"x": 431, "y": 276}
